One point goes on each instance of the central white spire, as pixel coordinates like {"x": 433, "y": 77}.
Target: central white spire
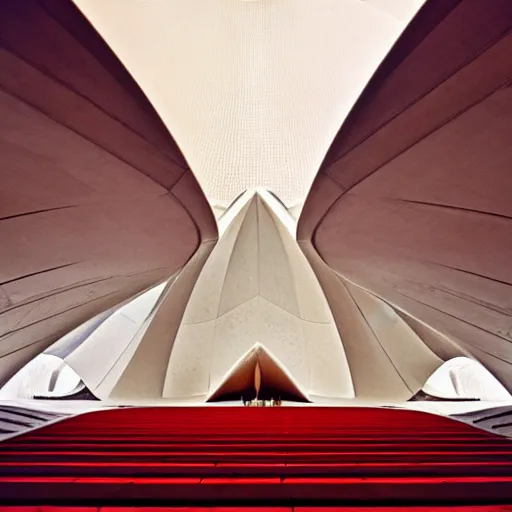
{"x": 257, "y": 290}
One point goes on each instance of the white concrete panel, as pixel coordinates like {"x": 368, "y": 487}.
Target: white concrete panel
{"x": 111, "y": 378}
{"x": 67, "y": 381}
{"x": 34, "y": 379}
{"x": 204, "y": 302}
{"x": 202, "y": 353}
{"x": 413, "y": 360}
{"x": 250, "y": 269}
{"x": 189, "y": 365}
{"x": 236, "y": 333}
{"x": 313, "y": 306}
{"x": 373, "y": 374}
{"x": 241, "y": 280}
{"x": 139, "y": 308}
{"x": 329, "y": 370}
{"x": 281, "y": 333}
{"x": 310, "y": 298}
{"x": 144, "y": 375}
{"x": 462, "y": 377}
{"x": 275, "y": 279}
{"x": 111, "y": 339}
{"x": 233, "y": 210}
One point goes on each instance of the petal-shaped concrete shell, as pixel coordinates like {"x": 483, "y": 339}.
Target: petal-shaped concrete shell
{"x": 97, "y": 202}
{"x": 256, "y": 295}
{"x": 413, "y": 202}
{"x": 461, "y": 378}
{"x": 257, "y": 288}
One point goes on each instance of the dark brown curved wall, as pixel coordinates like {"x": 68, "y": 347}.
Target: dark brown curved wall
{"x": 414, "y": 199}
{"x": 96, "y": 201}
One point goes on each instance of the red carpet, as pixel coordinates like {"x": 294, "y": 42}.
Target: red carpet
{"x": 256, "y": 456}
{"x": 477, "y": 508}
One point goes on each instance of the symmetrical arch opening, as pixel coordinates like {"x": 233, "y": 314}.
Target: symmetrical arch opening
{"x": 258, "y": 375}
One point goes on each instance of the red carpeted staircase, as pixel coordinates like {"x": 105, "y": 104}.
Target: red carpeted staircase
{"x": 257, "y": 456}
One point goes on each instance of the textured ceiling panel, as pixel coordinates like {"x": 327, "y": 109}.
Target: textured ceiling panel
{"x": 254, "y": 92}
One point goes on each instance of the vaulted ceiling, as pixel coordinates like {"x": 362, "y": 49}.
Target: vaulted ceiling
{"x": 252, "y": 91}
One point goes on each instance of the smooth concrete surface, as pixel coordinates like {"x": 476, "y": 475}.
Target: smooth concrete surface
{"x": 112, "y": 339}
{"x": 413, "y": 202}
{"x": 387, "y": 359}
{"x": 97, "y": 203}
{"x": 461, "y": 378}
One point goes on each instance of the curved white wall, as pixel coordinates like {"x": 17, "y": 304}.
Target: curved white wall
{"x": 44, "y": 375}
{"x": 462, "y": 377}
{"x": 94, "y": 358}
{"x": 257, "y": 288}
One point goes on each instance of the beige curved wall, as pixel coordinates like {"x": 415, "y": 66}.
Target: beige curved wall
{"x": 413, "y": 201}
{"x": 96, "y": 201}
